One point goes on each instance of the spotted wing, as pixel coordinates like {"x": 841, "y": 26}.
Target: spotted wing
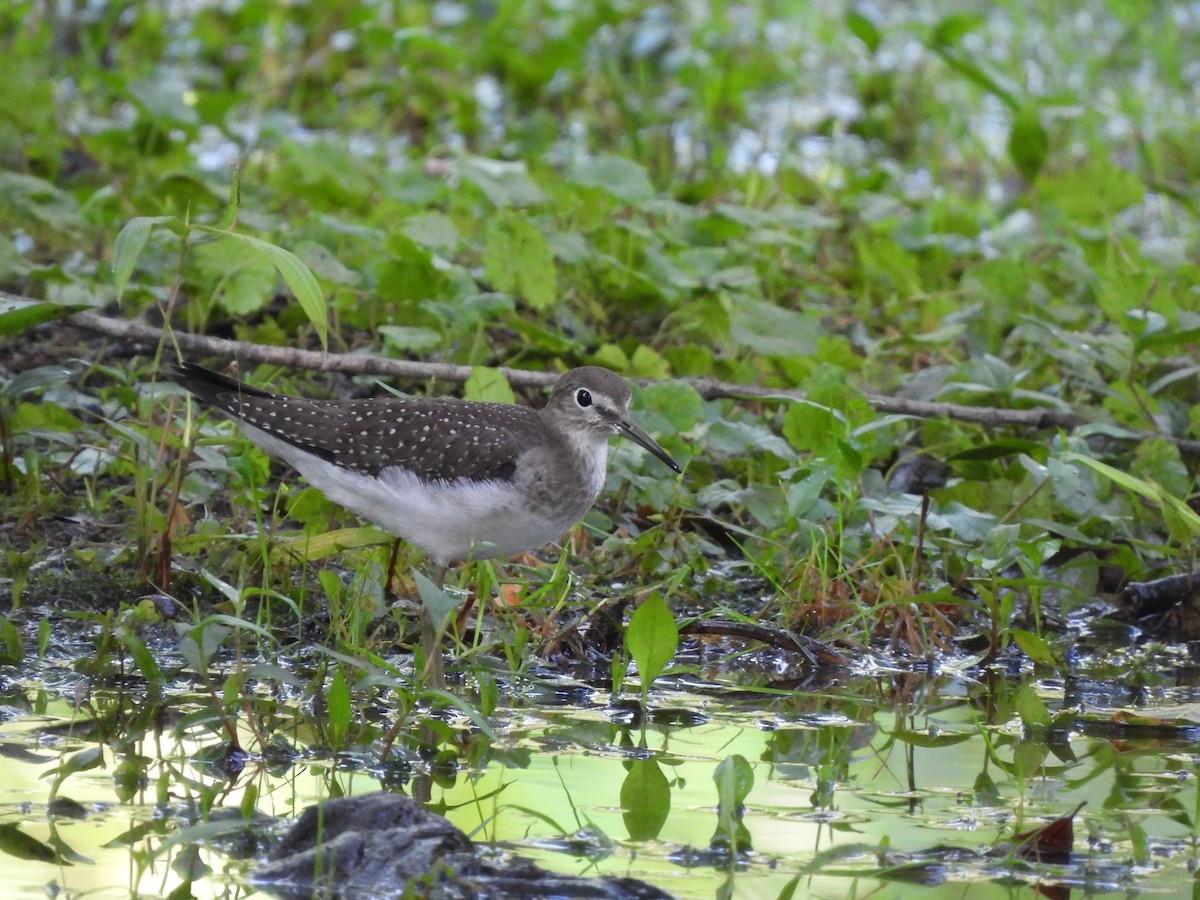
{"x": 447, "y": 439}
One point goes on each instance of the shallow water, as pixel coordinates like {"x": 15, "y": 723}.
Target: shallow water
{"x": 867, "y": 774}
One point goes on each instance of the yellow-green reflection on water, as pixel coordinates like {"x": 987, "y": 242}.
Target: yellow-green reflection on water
{"x": 822, "y": 780}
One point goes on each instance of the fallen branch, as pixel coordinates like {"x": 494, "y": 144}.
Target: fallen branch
{"x": 818, "y": 652}
{"x": 1037, "y": 418}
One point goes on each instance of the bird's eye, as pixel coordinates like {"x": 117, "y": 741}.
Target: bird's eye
{"x": 583, "y": 397}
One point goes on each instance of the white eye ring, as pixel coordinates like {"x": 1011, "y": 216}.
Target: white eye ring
{"x": 583, "y": 397}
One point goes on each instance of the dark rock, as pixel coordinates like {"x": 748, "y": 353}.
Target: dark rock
{"x": 384, "y": 845}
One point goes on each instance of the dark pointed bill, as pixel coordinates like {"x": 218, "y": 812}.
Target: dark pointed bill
{"x": 629, "y": 429}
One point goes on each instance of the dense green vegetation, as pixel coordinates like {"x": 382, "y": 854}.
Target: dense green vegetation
{"x": 994, "y": 209}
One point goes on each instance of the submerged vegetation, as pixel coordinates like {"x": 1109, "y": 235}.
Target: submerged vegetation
{"x": 911, "y": 293}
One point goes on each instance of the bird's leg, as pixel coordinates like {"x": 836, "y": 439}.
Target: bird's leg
{"x": 434, "y": 674}
{"x": 389, "y": 573}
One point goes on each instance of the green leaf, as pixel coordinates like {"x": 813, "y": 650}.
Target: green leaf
{"x": 295, "y": 274}
{"x": 488, "y": 385}
{"x": 951, "y": 29}
{"x": 432, "y": 230}
{"x": 1159, "y": 461}
{"x": 410, "y": 338}
{"x": 734, "y": 779}
{"x": 18, "y": 315}
{"x": 12, "y": 648}
{"x": 652, "y": 638}
{"x": 647, "y": 362}
{"x": 230, "y": 214}
{"x": 504, "y": 183}
{"x": 438, "y": 602}
{"x": 621, "y": 177}
{"x": 91, "y": 758}
{"x": 19, "y": 845}
{"x": 242, "y": 279}
{"x": 517, "y": 260}
{"x": 142, "y": 657}
{"x": 813, "y": 427}
{"x": 1181, "y": 520}
{"x": 1034, "y": 646}
{"x": 1028, "y": 141}
{"x": 677, "y": 402}
{"x": 925, "y": 739}
{"x": 864, "y": 29}
{"x": 131, "y": 241}
{"x": 1093, "y": 193}
{"x": 771, "y": 330}
{"x": 645, "y": 799}
{"x": 999, "y": 449}
{"x": 43, "y": 417}
{"x": 337, "y": 702}
{"x": 1030, "y": 707}
{"x": 322, "y": 263}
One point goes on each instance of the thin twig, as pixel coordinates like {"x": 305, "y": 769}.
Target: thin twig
{"x": 1037, "y": 418}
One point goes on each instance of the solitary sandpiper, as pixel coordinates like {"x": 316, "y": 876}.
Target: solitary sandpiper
{"x": 460, "y": 479}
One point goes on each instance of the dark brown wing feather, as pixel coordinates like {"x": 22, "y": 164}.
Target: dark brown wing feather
{"x": 447, "y": 439}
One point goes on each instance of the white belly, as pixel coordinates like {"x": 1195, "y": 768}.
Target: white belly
{"x": 450, "y": 521}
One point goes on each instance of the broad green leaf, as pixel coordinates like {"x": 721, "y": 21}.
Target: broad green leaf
{"x": 142, "y": 657}
{"x": 1182, "y": 521}
{"x": 19, "y": 845}
{"x": 241, "y": 279}
{"x": 488, "y": 385}
{"x": 337, "y": 703}
{"x": 18, "y": 315}
{"x": 925, "y": 739}
{"x": 611, "y": 357}
{"x": 1028, "y": 141}
{"x": 676, "y": 401}
{"x": 864, "y": 29}
{"x": 734, "y": 779}
{"x": 39, "y": 199}
{"x": 439, "y": 602}
{"x": 652, "y": 638}
{"x": 37, "y": 378}
{"x": 322, "y": 263}
{"x": 504, "y": 183}
{"x": 621, "y": 177}
{"x": 645, "y": 799}
{"x": 318, "y": 546}
{"x": 411, "y": 338}
{"x": 1159, "y": 461}
{"x": 295, "y": 274}
{"x": 812, "y": 427}
{"x": 999, "y": 449}
{"x": 12, "y": 647}
{"x": 1092, "y": 193}
{"x": 771, "y": 330}
{"x": 517, "y": 260}
{"x": 165, "y": 97}
{"x": 82, "y": 761}
{"x": 1034, "y": 646}
{"x": 1031, "y": 708}
{"x": 951, "y": 29}
{"x": 647, "y": 362}
{"x": 130, "y": 243}
{"x": 432, "y": 230}
{"x": 45, "y": 417}
{"x": 198, "y": 643}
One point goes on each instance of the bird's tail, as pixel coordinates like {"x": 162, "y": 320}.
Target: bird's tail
{"x": 212, "y": 387}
